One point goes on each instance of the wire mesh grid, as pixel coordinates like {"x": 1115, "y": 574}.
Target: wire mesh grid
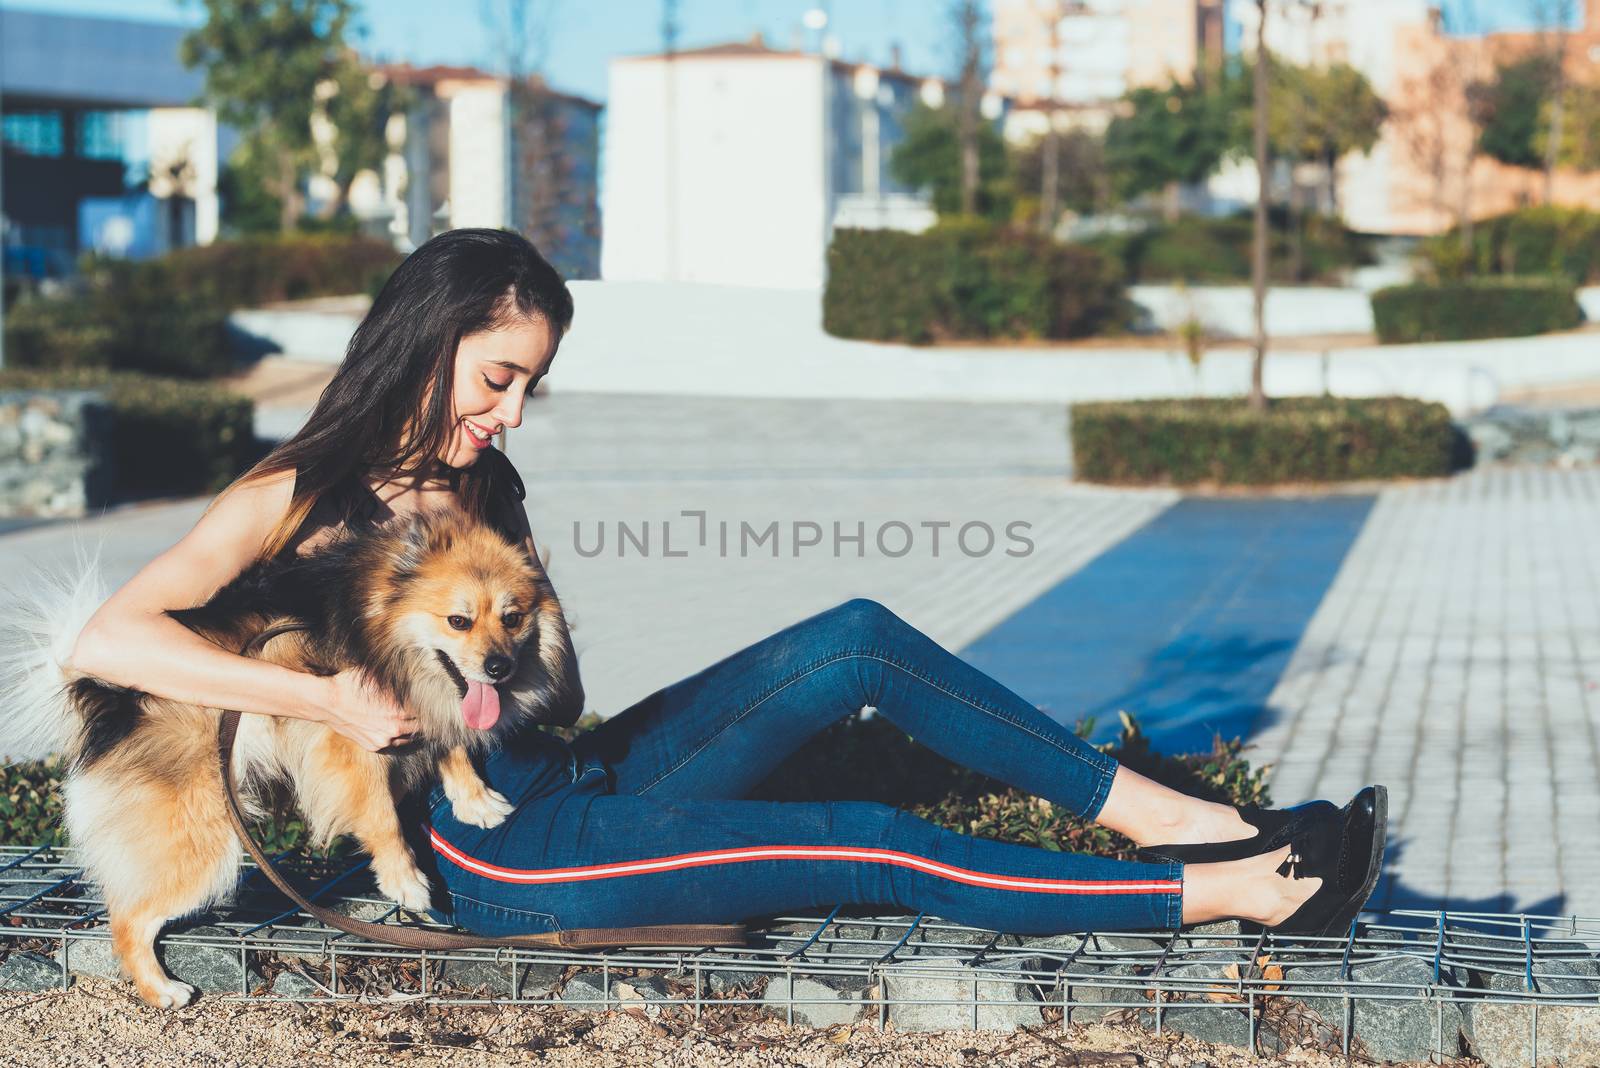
{"x": 884, "y": 965}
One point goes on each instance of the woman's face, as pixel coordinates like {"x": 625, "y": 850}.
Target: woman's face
{"x": 495, "y": 371}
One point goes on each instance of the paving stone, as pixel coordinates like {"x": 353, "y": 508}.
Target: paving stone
{"x": 29, "y": 971}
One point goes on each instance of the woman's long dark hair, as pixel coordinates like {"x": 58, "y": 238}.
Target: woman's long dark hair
{"x": 367, "y": 419}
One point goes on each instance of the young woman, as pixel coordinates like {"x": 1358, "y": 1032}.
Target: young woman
{"x": 641, "y": 821}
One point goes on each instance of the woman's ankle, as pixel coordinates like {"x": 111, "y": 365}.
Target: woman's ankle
{"x": 1248, "y": 889}
{"x": 1152, "y": 814}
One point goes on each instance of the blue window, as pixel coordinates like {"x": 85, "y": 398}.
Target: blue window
{"x": 38, "y": 133}
{"x": 102, "y": 134}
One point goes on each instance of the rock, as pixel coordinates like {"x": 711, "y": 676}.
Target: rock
{"x": 641, "y": 992}
{"x": 1390, "y": 1030}
{"x": 1491, "y": 441}
{"x": 208, "y": 968}
{"x": 29, "y": 971}
{"x": 819, "y": 1001}
{"x": 1501, "y": 1034}
{"x": 371, "y": 911}
{"x": 1224, "y": 934}
{"x": 1001, "y": 1004}
{"x": 586, "y": 990}
{"x": 492, "y": 978}
{"x": 732, "y": 981}
{"x": 294, "y": 985}
{"x": 90, "y": 956}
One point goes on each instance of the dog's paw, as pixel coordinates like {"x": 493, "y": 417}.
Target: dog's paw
{"x": 166, "y": 993}
{"x": 487, "y": 808}
{"x": 407, "y": 888}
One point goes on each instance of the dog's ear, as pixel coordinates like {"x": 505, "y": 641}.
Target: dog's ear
{"x": 425, "y": 534}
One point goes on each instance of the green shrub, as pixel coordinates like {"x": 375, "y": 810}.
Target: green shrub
{"x": 1298, "y": 439}
{"x": 169, "y": 437}
{"x": 967, "y": 281}
{"x": 855, "y": 760}
{"x": 168, "y": 316}
{"x": 1474, "y": 308}
{"x": 1533, "y": 241}
{"x": 1217, "y": 251}
{"x": 45, "y": 333}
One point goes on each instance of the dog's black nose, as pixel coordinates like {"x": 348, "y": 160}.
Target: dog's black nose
{"x": 497, "y": 666}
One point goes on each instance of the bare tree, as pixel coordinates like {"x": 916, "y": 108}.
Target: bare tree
{"x": 1554, "y": 19}
{"x": 520, "y": 32}
{"x": 1050, "y": 169}
{"x": 1440, "y": 115}
{"x": 1258, "y": 246}
{"x": 969, "y": 21}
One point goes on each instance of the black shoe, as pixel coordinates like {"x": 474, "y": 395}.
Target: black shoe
{"x": 1348, "y": 865}
{"x": 1275, "y": 828}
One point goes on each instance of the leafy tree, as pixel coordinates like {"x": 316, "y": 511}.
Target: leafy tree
{"x": 264, "y": 61}
{"x": 929, "y": 157}
{"x": 1168, "y": 137}
{"x": 1580, "y": 129}
{"x": 358, "y": 110}
{"x": 1511, "y": 107}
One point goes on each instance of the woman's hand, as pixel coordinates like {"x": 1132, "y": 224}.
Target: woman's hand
{"x": 358, "y": 709}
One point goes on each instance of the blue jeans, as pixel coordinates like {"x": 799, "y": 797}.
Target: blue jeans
{"x": 640, "y": 821}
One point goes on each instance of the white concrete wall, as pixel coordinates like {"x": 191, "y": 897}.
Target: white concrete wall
{"x": 480, "y": 157}
{"x": 1229, "y": 311}
{"x": 745, "y": 202}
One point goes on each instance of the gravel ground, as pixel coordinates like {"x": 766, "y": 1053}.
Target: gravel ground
{"x": 103, "y": 1023}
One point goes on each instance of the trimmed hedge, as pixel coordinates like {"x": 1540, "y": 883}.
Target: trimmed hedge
{"x": 1217, "y": 251}
{"x": 1298, "y": 439}
{"x": 1533, "y": 241}
{"x": 168, "y": 316}
{"x": 967, "y": 281}
{"x": 855, "y": 760}
{"x": 169, "y": 437}
{"x": 1475, "y": 308}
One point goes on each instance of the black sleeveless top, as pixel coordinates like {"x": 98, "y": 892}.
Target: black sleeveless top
{"x": 355, "y": 505}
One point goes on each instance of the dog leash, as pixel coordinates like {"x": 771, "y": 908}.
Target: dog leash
{"x": 687, "y": 934}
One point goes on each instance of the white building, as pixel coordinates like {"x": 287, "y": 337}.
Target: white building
{"x": 468, "y": 151}
{"x": 733, "y": 164}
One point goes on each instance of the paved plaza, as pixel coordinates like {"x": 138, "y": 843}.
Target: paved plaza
{"x": 1440, "y": 637}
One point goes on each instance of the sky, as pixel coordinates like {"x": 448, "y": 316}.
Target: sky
{"x": 582, "y": 35}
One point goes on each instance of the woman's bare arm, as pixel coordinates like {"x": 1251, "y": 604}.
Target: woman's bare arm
{"x": 131, "y": 641}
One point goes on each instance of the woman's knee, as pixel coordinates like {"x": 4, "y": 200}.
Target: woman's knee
{"x": 862, "y": 617}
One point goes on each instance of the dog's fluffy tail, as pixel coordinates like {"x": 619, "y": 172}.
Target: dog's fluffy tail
{"x": 39, "y": 623}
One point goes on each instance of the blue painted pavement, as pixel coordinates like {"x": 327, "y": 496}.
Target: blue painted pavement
{"x": 1187, "y": 623}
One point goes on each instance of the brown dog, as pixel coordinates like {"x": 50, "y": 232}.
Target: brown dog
{"x": 440, "y": 610}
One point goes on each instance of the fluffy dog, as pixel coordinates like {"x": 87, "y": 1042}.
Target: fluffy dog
{"x": 440, "y": 610}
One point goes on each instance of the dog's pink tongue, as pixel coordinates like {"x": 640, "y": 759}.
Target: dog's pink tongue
{"x": 481, "y": 707}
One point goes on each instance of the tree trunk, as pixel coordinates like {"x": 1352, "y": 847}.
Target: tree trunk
{"x": 969, "y": 160}
{"x": 288, "y": 196}
{"x": 1050, "y": 179}
{"x": 1258, "y": 258}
